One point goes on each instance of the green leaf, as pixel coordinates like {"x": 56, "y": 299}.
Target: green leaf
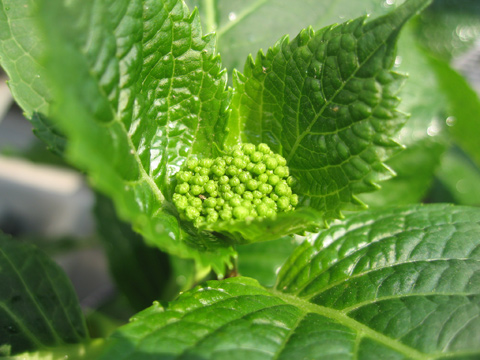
{"x": 21, "y": 48}
{"x": 401, "y": 283}
{"x": 461, "y": 177}
{"x": 266, "y": 229}
{"x": 449, "y": 28}
{"x": 142, "y": 273}
{"x": 243, "y": 27}
{"x": 464, "y": 106}
{"x": 38, "y": 306}
{"x": 263, "y": 260}
{"x": 424, "y": 134}
{"x": 48, "y": 132}
{"x": 137, "y": 89}
{"x": 326, "y": 101}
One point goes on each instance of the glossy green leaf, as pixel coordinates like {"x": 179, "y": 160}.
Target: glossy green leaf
{"x": 448, "y": 28}
{"x": 327, "y": 102}
{"x": 137, "y": 89}
{"x": 401, "y": 283}
{"x": 38, "y": 306}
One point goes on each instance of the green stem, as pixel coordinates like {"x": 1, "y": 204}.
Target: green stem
{"x": 210, "y": 15}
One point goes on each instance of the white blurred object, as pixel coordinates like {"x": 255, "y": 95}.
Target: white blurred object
{"x": 469, "y": 65}
{"x": 46, "y": 200}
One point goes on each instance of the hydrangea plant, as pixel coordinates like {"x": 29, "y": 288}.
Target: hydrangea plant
{"x": 268, "y": 165}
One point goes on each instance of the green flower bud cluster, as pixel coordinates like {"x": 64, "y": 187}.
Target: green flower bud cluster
{"x": 250, "y": 182}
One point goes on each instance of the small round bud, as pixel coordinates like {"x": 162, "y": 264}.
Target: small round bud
{"x": 212, "y": 217}
{"x": 246, "y": 203}
{"x": 265, "y": 188}
{"x": 244, "y": 176}
{"x": 282, "y": 189}
{"x": 192, "y": 213}
{"x": 225, "y": 188}
{"x": 220, "y": 162}
{"x": 280, "y": 160}
{"x": 239, "y": 163}
{"x": 240, "y": 212}
{"x": 218, "y": 170}
{"x": 290, "y": 181}
{"x": 283, "y": 202}
{"x": 248, "y": 149}
{"x": 195, "y": 202}
{"x": 226, "y": 214}
{"x": 273, "y": 179}
{"x": 263, "y": 178}
{"x": 184, "y": 176}
{"x": 264, "y": 148}
{"x": 271, "y": 163}
{"x": 257, "y": 194}
{"x": 232, "y": 170}
{"x": 237, "y": 154}
{"x": 281, "y": 171}
{"x": 228, "y": 195}
{"x": 199, "y": 221}
{"x": 182, "y": 188}
{"x": 269, "y": 202}
{"x": 270, "y": 212}
{"x": 274, "y": 196}
{"x": 180, "y": 202}
{"x": 210, "y": 202}
{"x": 196, "y": 190}
{"x": 207, "y": 163}
{"x": 210, "y": 188}
{"x": 259, "y": 168}
{"x": 247, "y": 195}
{"x": 228, "y": 160}
{"x": 256, "y": 157}
{"x": 235, "y": 202}
{"x": 262, "y": 209}
{"x": 220, "y": 202}
{"x": 223, "y": 180}
{"x": 252, "y": 184}
{"x": 250, "y": 166}
{"x": 205, "y": 171}
{"x": 192, "y": 163}
{"x": 294, "y": 199}
{"x": 234, "y": 181}
{"x": 240, "y": 189}
{"x": 256, "y": 201}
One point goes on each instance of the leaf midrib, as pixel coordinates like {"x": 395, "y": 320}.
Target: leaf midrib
{"x": 361, "y": 329}
{"x": 57, "y": 338}
{"x": 144, "y": 176}
{"x": 330, "y": 100}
